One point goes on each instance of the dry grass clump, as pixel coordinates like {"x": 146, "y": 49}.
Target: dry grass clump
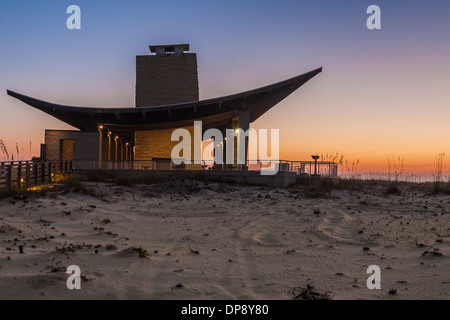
{"x": 433, "y": 252}
{"x": 71, "y": 182}
{"x": 314, "y": 187}
{"x": 9, "y": 192}
{"x": 441, "y": 188}
{"x": 393, "y": 189}
{"x": 308, "y": 293}
{"x": 141, "y": 251}
{"x": 319, "y": 187}
{"x": 74, "y": 183}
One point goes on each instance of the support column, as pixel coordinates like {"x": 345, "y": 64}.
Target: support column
{"x": 112, "y": 151}
{"x": 109, "y": 146}
{"x": 104, "y": 147}
{"x": 116, "y": 144}
{"x": 244, "y": 124}
{"x": 122, "y": 158}
{"x": 240, "y": 121}
{"x": 100, "y": 151}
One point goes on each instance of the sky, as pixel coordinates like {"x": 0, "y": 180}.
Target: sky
{"x": 382, "y": 93}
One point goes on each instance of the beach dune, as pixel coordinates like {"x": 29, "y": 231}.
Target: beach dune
{"x": 195, "y": 240}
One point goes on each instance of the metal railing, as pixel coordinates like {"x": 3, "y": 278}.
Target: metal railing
{"x": 139, "y": 165}
{"x": 305, "y": 168}
{"x": 302, "y": 168}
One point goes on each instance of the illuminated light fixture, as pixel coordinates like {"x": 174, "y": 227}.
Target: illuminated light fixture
{"x": 127, "y": 143}
{"x": 100, "y": 127}
{"x": 236, "y": 130}
{"x": 117, "y": 137}
{"x": 109, "y": 133}
{"x": 21, "y": 180}
{"x": 225, "y": 138}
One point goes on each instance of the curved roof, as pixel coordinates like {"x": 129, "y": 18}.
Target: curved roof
{"x": 212, "y": 111}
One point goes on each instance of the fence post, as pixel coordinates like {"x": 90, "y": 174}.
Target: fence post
{"x": 19, "y": 175}
{"x": 50, "y": 172}
{"x": 9, "y": 176}
{"x": 27, "y": 174}
{"x": 43, "y": 172}
{"x": 35, "y": 173}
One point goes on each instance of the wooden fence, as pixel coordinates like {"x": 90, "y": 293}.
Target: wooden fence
{"x": 25, "y": 174}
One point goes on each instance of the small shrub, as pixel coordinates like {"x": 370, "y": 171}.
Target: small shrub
{"x": 194, "y": 251}
{"x": 110, "y": 247}
{"x": 8, "y": 192}
{"x": 71, "y": 182}
{"x": 142, "y": 252}
{"x": 89, "y": 191}
{"x": 350, "y": 184}
{"x": 439, "y": 187}
{"x": 433, "y": 252}
{"x": 315, "y": 187}
{"x": 393, "y": 189}
{"x": 418, "y": 244}
{"x": 308, "y": 293}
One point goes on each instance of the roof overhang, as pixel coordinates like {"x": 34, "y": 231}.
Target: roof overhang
{"x": 212, "y": 111}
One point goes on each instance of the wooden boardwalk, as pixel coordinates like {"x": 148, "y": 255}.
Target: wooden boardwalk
{"x": 25, "y": 174}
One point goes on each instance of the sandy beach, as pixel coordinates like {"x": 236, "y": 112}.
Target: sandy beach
{"x": 218, "y": 241}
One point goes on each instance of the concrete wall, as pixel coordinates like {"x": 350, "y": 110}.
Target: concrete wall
{"x": 166, "y": 79}
{"x": 86, "y": 146}
{"x": 281, "y": 179}
{"x": 157, "y": 144}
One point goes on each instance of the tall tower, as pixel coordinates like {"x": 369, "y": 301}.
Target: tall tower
{"x": 168, "y": 76}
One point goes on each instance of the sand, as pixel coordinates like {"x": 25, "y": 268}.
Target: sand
{"x": 216, "y": 241}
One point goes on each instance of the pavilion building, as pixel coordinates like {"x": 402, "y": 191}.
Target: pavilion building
{"x": 167, "y": 98}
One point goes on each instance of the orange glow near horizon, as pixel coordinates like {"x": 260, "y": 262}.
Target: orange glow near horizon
{"x": 297, "y": 144}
